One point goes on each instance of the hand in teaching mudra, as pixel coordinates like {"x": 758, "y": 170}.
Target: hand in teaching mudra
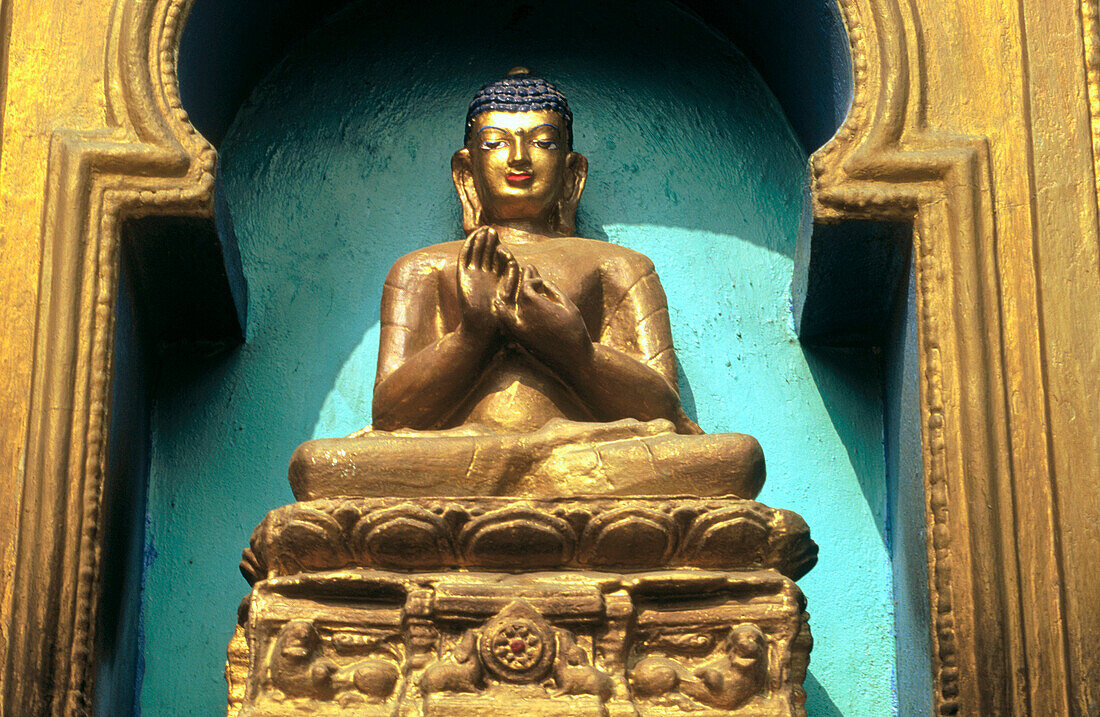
{"x": 481, "y": 267}
{"x": 539, "y": 316}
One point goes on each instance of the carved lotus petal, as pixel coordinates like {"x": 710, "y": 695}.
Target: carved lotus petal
{"x": 631, "y": 537}
{"x": 405, "y": 536}
{"x": 517, "y": 537}
{"x": 308, "y": 540}
{"x": 792, "y": 551}
{"x": 732, "y": 538}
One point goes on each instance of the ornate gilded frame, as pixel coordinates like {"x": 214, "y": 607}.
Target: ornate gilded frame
{"x": 148, "y": 160}
{"x": 884, "y": 163}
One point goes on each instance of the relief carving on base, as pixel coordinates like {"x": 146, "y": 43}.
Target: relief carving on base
{"x": 727, "y": 682}
{"x": 311, "y": 664}
{"x": 417, "y": 644}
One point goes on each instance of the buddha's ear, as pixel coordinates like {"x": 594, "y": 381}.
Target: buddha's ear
{"x": 463, "y": 175}
{"x": 576, "y": 173}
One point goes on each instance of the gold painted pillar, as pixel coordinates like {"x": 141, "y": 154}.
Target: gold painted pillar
{"x": 976, "y": 121}
{"x": 1022, "y": 74}
{"x": 51, "y": 60}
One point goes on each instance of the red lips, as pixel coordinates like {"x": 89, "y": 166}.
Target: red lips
{"x": 518, "y": 176}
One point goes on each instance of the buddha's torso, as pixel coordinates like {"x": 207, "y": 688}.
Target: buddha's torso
{"x": 516, "y": 393}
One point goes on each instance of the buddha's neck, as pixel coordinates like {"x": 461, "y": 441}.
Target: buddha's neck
{"x": 520, "y": 231}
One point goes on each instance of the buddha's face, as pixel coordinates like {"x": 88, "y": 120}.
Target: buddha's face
{"x": 519, "y": 162}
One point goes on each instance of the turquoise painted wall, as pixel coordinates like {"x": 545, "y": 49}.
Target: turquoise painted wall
{"x": 339, "y": 163}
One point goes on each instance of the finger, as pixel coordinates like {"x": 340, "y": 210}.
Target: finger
{"x": 549, "y": 290}
{"x": 479, "y": 250}
{"x": 532, "y": 279}
{"x": 468, "y": 246}
{"x": 530, "y": 290}
{"x": 511, "y": 280}
{"x": 525, "y": 279}
{"x": 506, "y": 259}
{"x": 489, "y": 252}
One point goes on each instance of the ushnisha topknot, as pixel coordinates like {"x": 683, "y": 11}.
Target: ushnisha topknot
{"x": 520, "y": 92}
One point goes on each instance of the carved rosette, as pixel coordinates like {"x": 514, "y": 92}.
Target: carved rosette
{"x": 517, "y": 645}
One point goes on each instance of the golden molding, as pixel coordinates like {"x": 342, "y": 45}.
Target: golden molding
{"x": 1090, "y": 27}
{"x": 150, "y": 160}
{"x": 885, "y": 163}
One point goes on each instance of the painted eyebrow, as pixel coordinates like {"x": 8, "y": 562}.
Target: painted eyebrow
{"x": 532, "y": 130}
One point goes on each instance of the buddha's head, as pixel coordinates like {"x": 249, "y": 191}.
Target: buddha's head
{"x": 517, "y": 166}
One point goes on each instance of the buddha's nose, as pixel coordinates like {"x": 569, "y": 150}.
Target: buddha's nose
{"x": 519, "y": 154}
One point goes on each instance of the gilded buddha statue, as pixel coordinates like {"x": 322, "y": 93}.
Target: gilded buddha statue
{"x": 524, "y": 360}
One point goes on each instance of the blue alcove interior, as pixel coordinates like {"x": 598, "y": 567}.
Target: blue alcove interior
{"x": 697, "y": 119}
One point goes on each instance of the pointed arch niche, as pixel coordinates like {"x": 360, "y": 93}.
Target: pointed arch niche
{"x": 879, "y": 229}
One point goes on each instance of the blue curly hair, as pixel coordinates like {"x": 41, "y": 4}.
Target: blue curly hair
{"x": 520, "y": 92}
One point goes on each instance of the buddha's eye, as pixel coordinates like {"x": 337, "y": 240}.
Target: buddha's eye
{"x": 492, "y": 144}
{"x": 545, "y": 144}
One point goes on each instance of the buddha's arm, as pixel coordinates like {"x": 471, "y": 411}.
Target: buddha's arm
{"x": 423, "y": 390}
{"x": 635, "y": 343}
{"x": 424, "y": 371}
{"x": 615, "y": 385}
{"x": 630, "y": 371}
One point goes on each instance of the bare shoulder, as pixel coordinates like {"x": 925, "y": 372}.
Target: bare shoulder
{"x": 623, "y": 266}
{"x": 423, "y": 263}
{"x": 612, "y": 258}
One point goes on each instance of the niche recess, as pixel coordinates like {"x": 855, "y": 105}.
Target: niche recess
{"x": 850, "y": 291}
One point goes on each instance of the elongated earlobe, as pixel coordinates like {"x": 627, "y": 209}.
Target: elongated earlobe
{"x": 576, "y": 173}
{"x": 463, "y": 176}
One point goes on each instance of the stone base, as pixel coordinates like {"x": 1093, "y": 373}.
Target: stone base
{"x": 374, "y": 642}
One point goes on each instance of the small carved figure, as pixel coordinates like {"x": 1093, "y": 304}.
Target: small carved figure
{"x": 459, "y": 673}
{"x": 726, "y": 683}
{"x": 656, "y": 675}
{"x": 295, "y": 667}
{"x": 736, "y": 676}
{"x": 375, "y": 678}
{"x": 574, "y": 676}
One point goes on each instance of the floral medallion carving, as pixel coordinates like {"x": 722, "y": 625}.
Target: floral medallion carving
{"x": 517, "y": 645}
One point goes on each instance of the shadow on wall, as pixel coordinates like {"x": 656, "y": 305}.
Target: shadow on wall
{"x": 838, "y": 373}
{"x": 809, "y": 70}
{"x": 818, "y": 702}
